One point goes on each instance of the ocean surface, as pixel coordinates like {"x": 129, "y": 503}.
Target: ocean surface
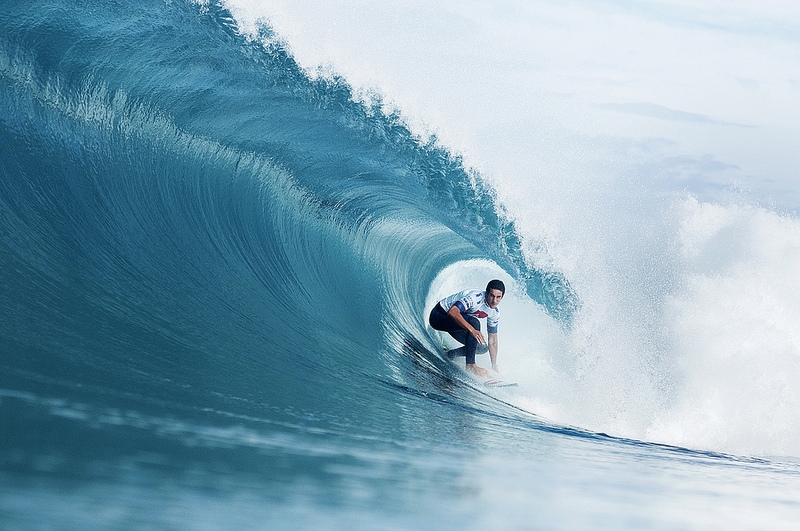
{"x": 216, "y": 264}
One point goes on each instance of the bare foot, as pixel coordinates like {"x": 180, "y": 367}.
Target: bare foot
{"x": 480, "y": 372}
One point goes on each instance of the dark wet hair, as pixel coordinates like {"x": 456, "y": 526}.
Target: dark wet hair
{"x": 496, "y": 284}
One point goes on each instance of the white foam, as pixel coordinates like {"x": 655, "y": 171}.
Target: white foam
{"x": 735, "y": 332}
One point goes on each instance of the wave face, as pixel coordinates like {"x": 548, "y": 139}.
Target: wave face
{"x": 175, "y": 196}
{"x": 215, "y": 273}
{"x": 194, "y": 234}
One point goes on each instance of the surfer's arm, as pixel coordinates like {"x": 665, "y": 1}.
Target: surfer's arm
{"x": 493, "y": 350}
{"x": 455, "y": 313}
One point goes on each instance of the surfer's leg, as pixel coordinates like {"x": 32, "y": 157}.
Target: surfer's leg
{"x": 456, "y": 352}
{"x": 461, "y": 336}
{"x": 440, "y": 320}
{"x": 482, "y": 348}
{"x": 471, "y": 343}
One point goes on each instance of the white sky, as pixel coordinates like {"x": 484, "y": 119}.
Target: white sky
{"x": 710, "y": 93}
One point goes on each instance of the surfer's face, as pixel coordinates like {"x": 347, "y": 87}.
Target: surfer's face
{"x": 493, "y": 297}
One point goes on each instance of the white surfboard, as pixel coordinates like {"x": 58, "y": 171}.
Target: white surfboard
{"x": 497, "y": 382}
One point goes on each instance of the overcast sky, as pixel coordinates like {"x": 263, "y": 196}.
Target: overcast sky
{"x": 709, "y": 95}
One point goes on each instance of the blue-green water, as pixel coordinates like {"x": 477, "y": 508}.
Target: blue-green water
{"x": 215, "y": 274}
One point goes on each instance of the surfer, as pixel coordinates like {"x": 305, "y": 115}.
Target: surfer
{"x": 458, "y": 315}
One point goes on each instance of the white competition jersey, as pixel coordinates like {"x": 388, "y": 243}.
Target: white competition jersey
{"x": 473, "y": 302}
